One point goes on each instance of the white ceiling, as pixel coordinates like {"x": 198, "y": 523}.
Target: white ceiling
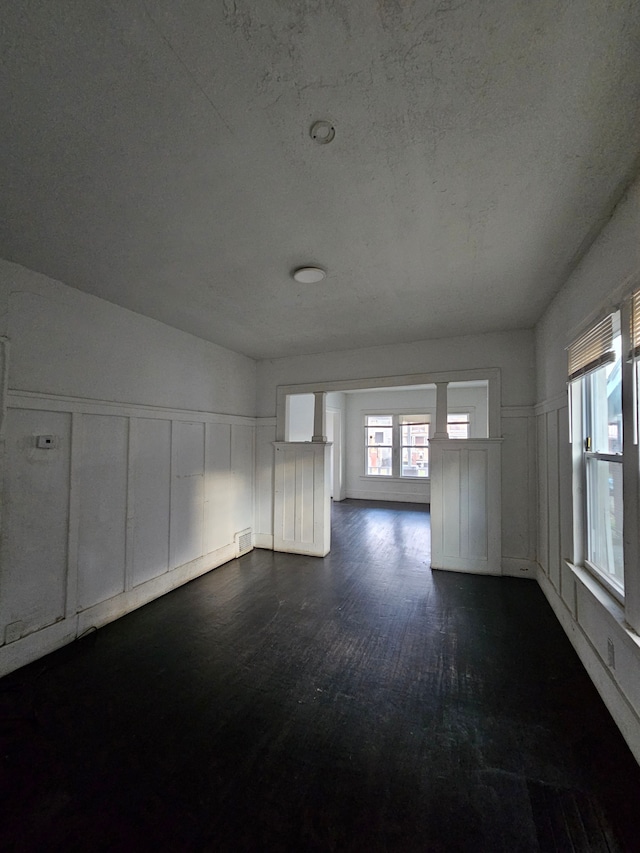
{"x": 157, "y": 154}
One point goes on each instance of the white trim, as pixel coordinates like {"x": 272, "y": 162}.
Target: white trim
{"x": 610, "y": 305}
{"x": 113, "y": 608}
{"x": 132, "y": 436}
{"x": 82, "y": 405}
{"x": 386, "y": 495}
{"x": 624, "y": 714}
{"x": 551, "y": 404}
{"x": 384, "y": 478}
{"x": 36, "y": 645}
{"x": 263, "y": 540}
{"x": 517, "y": 411}
{"x": 44, "y": 640}
{"x": 73, "y": 521}
{"x": 516, "y": 567}
{"x": 491, "y": 374}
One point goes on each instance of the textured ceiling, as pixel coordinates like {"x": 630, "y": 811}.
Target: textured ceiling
{"x": 157, "y": 154}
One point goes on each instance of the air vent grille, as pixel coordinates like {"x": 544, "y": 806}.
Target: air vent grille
{"x": 244, "y": 541}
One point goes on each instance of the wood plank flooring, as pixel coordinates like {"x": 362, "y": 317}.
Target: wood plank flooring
{"x": 353, "y": 703}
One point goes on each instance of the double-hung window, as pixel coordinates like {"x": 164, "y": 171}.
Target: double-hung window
{"x": 397, "y": 445}
{"x": 378, "y": 431}
{"x": 595, "y": 374}
{"x": 459, "y": 425}
{"x": 415, "y": 445}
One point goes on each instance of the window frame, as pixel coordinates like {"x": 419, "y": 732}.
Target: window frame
{"x": 582, "y": 429}
{"x": 397, "y": 446}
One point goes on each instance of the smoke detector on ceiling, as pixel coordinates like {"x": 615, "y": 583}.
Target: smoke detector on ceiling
{"x": 322, "y": 132}
{"x": 309, "y": 275}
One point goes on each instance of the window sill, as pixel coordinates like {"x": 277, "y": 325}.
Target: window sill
{"x": 373, "y": 478}
{"x": 600, "y": 592}
{"x": 599, "y": 578}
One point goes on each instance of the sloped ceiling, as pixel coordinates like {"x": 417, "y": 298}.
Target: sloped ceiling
{"x": 157, "y": 154}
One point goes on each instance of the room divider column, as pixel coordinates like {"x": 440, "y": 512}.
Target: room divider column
{"x": 302, "y": 499}
{"x": 320, "y": 417}
{"x": 441, "y": 410}
{"x": 466, "y": 528}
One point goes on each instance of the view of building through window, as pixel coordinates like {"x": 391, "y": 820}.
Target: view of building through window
{"x": 409, "y": 434}
{"x": 415, "y": 445}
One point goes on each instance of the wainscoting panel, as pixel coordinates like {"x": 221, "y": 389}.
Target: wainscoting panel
{"x": 187, "y": 492}
{"x": 543, "y": 498}
{"x": 125, "y": 503}
{"x": 34, "y": 547}
{"x": 553, "y": 499}
{"x": 218, "y": 511}
{"x": 465, "y": 508}
{"x": 102, "y": 492}
{"x": 242, "y": 469}
{"x": 302, "y": 504}
{"x": 151, "y": 497}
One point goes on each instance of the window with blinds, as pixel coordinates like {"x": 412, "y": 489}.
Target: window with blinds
{"x": 593, "y": 349}
{"x": 595, "y": 373}
{"x": 635, "y": 325}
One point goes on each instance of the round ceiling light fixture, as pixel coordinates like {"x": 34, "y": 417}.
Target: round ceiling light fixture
{"x": 322, "y": 132}
{"x": 309, "y": 275}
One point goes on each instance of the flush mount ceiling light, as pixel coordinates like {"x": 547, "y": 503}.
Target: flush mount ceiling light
{"x": 322, "y": 132}
{"x": 309, "y": 275}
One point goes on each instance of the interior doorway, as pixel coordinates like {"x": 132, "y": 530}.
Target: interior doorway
{"x": 434, "y": 443}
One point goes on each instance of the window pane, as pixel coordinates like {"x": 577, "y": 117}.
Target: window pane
{"x": 415, "y": 445}
{"x": 458, "y": 425}
{"x": 414, "y": 419}
{"x": 379, "y": 436}
{"x": 379, "y": 420}
{"x": 604, "y": 486}
{"x": 604, "y": 405}
{"x": 415, "y": 434}
{"x": 415, "y": 461}
{"x": 379, "y": 461}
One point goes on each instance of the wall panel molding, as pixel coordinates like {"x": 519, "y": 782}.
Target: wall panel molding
{"x": 551, "y": 404}
{"x": 135, "y": 485}
{"x": 58, "y": 403}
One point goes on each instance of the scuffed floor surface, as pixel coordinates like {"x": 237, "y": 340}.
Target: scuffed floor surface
{"x": 355, "y": 703}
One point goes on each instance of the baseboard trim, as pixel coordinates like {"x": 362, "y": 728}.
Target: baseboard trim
{"x": 623, "y": 713}
{"x": 263, "y": 540}
{"x": 516, "y": 567}
{"x": 398, "y": 497}
{"x": 33, "y": 646}
{"x": 36, "y": 645}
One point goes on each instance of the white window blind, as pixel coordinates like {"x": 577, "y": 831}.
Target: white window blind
{"x": 635, "y": 325}
{"x": 592, "y": 349}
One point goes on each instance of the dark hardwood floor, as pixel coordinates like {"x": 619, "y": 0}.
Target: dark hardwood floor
{"x": 353, "y": 703}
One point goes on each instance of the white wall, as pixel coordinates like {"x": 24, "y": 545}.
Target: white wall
{"x": 512, "y": 352}
{"x": 588, "y": 614}
{"x": 152, "y": 470}
{"x": 300, "y": 411}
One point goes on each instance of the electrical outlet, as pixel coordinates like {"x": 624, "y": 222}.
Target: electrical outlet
{"x": 611, "y": 653}
{"x": 45, "y": 442}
